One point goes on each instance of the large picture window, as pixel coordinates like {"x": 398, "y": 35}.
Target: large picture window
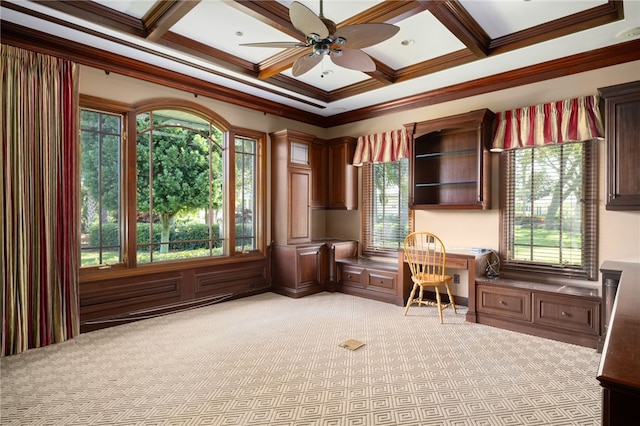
{"x": 386, "y": 216}
{"x": 187, "y": 194}
{"x": 549, "y": 209}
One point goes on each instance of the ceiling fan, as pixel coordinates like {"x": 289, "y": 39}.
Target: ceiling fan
{"x": 342, "y": 45}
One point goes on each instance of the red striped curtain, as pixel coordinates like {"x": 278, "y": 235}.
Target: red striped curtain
{"x": 39, "y": 217}
{"x": 383, "y": 147}
{"x": 571, "y": 120}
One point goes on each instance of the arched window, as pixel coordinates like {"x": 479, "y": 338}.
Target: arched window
{"x": 186, "y": 191}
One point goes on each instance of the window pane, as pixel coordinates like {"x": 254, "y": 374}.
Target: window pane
{"x": 545, "y": 211}
{"x": 245, "y": 195}
{"x": 180, "y": 187}
{"x": 100, "y": 140}
{"x": 387, "y": 206}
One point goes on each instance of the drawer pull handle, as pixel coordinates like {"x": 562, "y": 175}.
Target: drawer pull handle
{"x": 349, "y": 276}
{"x": 564, "y": 314}
{"x": 502, "y": 302}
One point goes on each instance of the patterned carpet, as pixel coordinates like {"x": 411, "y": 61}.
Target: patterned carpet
{"x": 272, "y": 360}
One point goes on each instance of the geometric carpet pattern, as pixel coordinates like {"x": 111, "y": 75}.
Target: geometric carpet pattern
{"x": 272, "y": 360}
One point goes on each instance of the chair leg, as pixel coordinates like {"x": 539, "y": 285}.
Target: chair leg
{"x": 439, "y": 304}
{"x": 410, "y": 300}
{"x": 451, "y": 300}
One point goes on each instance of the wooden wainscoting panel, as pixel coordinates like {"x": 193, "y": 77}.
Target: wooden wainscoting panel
{"x": 238, "y": 279}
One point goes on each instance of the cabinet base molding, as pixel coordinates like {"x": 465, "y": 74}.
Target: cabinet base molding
{"x": 297, "y": 293}
{"x": 535, "y": 330}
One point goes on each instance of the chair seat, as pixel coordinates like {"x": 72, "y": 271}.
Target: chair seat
{"x": 431, "y": 279}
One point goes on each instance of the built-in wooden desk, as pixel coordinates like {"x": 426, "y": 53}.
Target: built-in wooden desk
{"x": 619, "y": 372}
{"x": 472, "y": 262}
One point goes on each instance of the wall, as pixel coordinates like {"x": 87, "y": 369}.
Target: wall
{"x": 619, "y": 237}
{"x": 619, "y": 232}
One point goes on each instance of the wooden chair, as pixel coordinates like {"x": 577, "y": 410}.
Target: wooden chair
{"x": 427, "y": 256}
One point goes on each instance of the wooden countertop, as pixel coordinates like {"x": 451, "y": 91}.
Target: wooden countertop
{"x": 620, "y": 362}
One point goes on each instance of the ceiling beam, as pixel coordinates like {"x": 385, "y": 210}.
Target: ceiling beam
{"x": 269, "y": 12}
{"x": 456, "y": 19}
{"x": 590, "y": 18}
{"x": 97, "y": 13}
{"x": 164, "y": 15}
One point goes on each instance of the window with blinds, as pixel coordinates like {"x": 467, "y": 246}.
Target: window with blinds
{"x": 386, "y": 216}
{"x": 549, "y": 210}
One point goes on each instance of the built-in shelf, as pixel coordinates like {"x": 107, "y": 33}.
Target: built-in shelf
{"x": 450, "y": 165}
{"x": 447, "y": 154}
{"x": 471, "y": 182}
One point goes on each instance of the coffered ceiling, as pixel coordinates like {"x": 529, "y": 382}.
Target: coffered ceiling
{"x": 443, "y": 50}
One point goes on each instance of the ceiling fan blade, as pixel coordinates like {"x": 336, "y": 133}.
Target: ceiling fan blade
{"x": 354, "y": 60}
{"x": 306, "y": 21}
{"x": 278, "y": 44}
{"x": 305, "y": 63}
{"x": 365, "y": 35}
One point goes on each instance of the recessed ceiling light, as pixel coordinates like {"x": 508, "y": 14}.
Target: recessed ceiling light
{"x": 632, "y": 32}
{"x": 239, "y": 33}
{"x": 339, "y": 109}
{"x": 407, "y": 42}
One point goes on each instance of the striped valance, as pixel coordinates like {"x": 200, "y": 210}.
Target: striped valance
{"x": 383, "y": 147}
{"x": 571, "y": 120}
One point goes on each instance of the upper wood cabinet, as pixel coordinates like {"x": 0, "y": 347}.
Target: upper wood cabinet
{"x": 450, "y": 167}
{"x": 342, "y": 175}
{"x": 291, "y": 181}
{"x": 308, "y": 172}
{"x": 622, "y": 124}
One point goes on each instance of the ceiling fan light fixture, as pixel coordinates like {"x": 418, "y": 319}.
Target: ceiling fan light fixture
{"x": 323, "y": 38}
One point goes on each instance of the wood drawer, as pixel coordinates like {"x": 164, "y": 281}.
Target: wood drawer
{"x": 351, "y": 275}
{"x": 567, "y": 313}
{"x": 505, "y": 302}
{"x": 457, "y": 263}
{"x": 382, "y": 281}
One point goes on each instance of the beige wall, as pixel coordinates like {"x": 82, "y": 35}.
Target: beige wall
{"x": 619, "y": 232}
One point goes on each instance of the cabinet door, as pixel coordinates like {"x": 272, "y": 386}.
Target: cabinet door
{"x": 319, "y": 184}
{"x": 310, "y": 266}
{"x": 299, "y": 215}
{"x": 622, "y": 109}
{"x": 343, "y": 177}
